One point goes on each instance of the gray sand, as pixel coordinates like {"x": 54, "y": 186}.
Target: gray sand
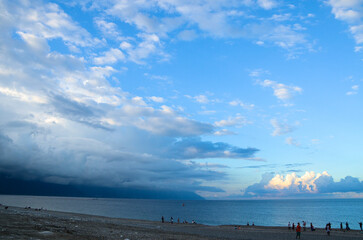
{"x": 18, "y": 223}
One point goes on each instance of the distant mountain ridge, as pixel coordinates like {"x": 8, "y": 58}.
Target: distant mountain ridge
{"x": 12, "y": 186}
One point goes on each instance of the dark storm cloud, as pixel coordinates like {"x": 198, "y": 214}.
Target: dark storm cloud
{"x": 189, "y": 148}
{"x": 90, "y": 162}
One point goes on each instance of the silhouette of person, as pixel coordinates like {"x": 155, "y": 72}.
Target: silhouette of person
{"x": 328, "y": 228}
{"x": 312, "y": 227}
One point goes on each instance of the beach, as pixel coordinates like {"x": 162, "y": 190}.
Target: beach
{"x": 21, "y": 223}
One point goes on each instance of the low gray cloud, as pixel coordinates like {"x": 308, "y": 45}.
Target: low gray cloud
{"x": 287, "y": 165}
{"x": 326, "y": 184}
{"x": 190, "y": 148}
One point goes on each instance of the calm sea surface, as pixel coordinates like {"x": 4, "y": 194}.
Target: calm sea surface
{"x": 261, "y": 212}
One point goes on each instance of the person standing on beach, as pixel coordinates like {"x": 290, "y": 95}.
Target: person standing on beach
{"x": 304, "y": 225}
{"x": 298, "y": 230}
{"x": 328, "y": 228}
{"x": 171, "y": 220}
{"x": 347, "y": 226}
{"x": 162, "y": 219}
{"x": 293, "y": 226}
{"x": 341, "y": 226}
{"x": 360, "y": 225}
{"x": 289, "y": 226}
{"x": 312, "y": 227}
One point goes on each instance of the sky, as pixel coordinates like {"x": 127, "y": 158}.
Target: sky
{"x": 228, "y": 99}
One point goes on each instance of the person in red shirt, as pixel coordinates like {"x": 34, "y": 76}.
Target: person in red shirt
{"x": 298, "y": 230}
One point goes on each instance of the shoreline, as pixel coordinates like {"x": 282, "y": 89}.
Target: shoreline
{"x": 21, "y": 223}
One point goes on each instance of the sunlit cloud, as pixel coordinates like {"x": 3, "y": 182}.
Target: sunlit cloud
{"x": 309, "y": 184}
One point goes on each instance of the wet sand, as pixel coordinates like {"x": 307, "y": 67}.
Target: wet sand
{"x": 19, "y": 223}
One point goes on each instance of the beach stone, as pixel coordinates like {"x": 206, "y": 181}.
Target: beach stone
{"x": 46, "y": 233}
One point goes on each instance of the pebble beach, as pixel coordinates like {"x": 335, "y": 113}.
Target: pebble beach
{"x": 20, "y": 223}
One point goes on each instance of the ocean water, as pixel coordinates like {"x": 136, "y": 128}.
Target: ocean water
{"x": 259, "y": 212}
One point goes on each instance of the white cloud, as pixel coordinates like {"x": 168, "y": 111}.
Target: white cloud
{"x": 351, "y": 12}
{"x": 267, "y": 4}
{"x": 281, "y": 91}
{"x": 354, "y": 91}
{"x": 281, "y": 17}
{"x": 303, "y": 183}
{"x": 37, "y": 43}
{"x": 237, "y": 121}
{"x": 23, "y": 96}
{"x": 203, "y": 99}
{"x": 46, "y": 21}
{"x": 238, "y": 102}
{"x": 207, "y": 112}
{"x": 187, "y": 35}
{"x": 282, "y": 35}
{"x": 347, "y": 10}
{"x": 156, "y": 77}
{"x": 112, "y": 56}
{"x": 205, "y": 18}
{"x": 280, "y": 128}
{"x": 150, "y": 44}
{"x": 224, "y": 132}
{"x": 107, "y": 28}
{"x": 157, "y": 99}
{"x": 258, "y": 73}
{"x": 357, "y": 32}
{"x": 292, "y": 141}
{"x": 125, "y": 45}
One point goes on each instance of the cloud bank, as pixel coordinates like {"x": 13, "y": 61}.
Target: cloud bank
{"x": 310, "y": 184}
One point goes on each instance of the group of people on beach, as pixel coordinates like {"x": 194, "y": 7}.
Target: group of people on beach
{"x": 178, "y": 221}
{"x": 289, "y": 226}
{"x": 312, "y": 228}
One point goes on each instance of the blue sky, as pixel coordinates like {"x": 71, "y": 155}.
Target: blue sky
{"x": 228, "y": 99}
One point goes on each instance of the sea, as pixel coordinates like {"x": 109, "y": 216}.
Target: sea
{"x": 210, "y": 212}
